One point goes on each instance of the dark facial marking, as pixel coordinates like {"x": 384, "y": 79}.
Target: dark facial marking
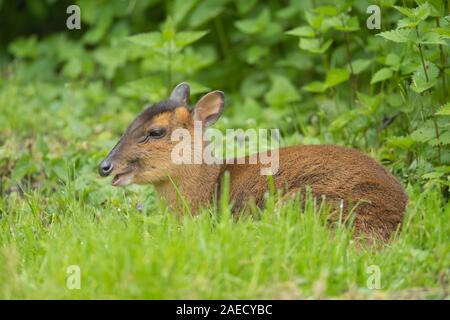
{"x": 149, "y": 113}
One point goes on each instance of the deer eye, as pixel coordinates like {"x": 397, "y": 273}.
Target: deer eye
{"x": 154, "y": 134}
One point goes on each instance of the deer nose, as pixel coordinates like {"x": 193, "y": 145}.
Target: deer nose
{"x": 105, "y": 168}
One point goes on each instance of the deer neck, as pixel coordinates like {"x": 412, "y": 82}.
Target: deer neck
{"x": 194, "y": 184}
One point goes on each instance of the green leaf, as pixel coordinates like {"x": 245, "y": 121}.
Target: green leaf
{"x": 404, "y": 143}
{"x": 255, "y": 53}
{"x": 399, "y": 35}
{"x": 336, "y": 76}
{"x": 24, "y": 166}
{"x": 419, "y": 13}
{"x": 333, "y": 78}
{"x": 432, "y": 38}
{"x": 149, "y": 39}
{"x": 282, "y": 92}
{"x": 313, "y": 45}
{"x": 343, "y": 119}
{"x": 315, "y": 21}
{"x": 359, "y": 65}
{"x": 185, "y": 38}
{"x": 371, "y": 102}
{"x": 437, "y": 7}
{"x": 252, "y": 26}
{"x": 181, "y": 9}
{"x": 206, "y": 11}
{"x": 344, "y": 23}
{"x": 432, "y": 175}
{"x": 405, "y": 11}
{"x": 444, "y": 138}
{"x": 381, "y": 75}
{"x": 443, "y": 31}
{"x": 304, "y": 31}
{"x": 315, "y": 86}
{"x": 444, "y": 110}
{"x": 419, "y": 79}
{"x": 423, "y": 134}
{"x": 392, "y": 60}
{"x": 327, "y": 10}
{"x": 148, "y": 88}
{"x": 24, "y": 47}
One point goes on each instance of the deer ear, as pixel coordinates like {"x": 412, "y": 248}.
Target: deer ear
{"x": 181, "y": 93}
{"x": 209, "y": 108}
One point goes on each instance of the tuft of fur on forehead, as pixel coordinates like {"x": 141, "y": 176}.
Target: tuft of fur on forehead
{"x": 153, "y": 111}
{"x": 164, "y": 106}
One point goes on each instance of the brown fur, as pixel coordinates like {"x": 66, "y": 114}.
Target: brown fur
{"x": 343, "y": 176}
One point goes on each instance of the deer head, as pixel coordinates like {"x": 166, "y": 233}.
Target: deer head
{"x": 143, "y": 154}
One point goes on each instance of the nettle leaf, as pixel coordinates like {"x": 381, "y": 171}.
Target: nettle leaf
{"x": 404, "y": 143}
{"x": 245, "y": 6}
{"x": 423, "y": 134}
{"x": 205, "y": 11}
{"x": 432, "y": 175}
{"x": 418, "y": 14}
{"x": 303, "y": 31}
{"x": 336, "y": 76}
{"x": 407, "y": 23}
{"x": 443, "y": 31}
{"x": 314, "y": 45}
{"x": 432, "y": 38}
{"x": 149, "y": 88}
{"x": 333, "y": 78}
{"x": 381, "y": 75}
{"x": 282, "y": 92}
{"x": 360, "y": 65}
{"x": 419, "y": 79}
{"x": 437, "y": 7}
{"x": 315, "y": 86}
{"x": 399, "y": 35}
{"x": 444, "y": 138}
{"x": 343, "y": 119}
{"x": 316, "y": 21}
{"x": 255, "y": 53}
{"x": 185, "y": 38}
{"x": 444, "y": 110}
{"x": 344, "y": 23}
{"x": 252, "y": 26}
{"x": 149, "y": 39}
{"x": 392, "y": 60}
{"x": 405, "y": 11}
{"x": 369, "y": 101}
{"x": 24, "y": 47}
{"x": 327, "y": 10}
{"x": 181, "y": 9}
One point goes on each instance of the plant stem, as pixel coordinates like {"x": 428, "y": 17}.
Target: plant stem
{"x": 433, "y": 108}
{"x": 443, "y": 60}
{"x": 419, "y": 45}
{"x": 222, "y": 37}
{"x": 349, "y": 58}
{"x": 354, "y": 85}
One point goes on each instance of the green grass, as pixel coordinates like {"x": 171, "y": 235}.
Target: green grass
{"x": 124, "y": 252}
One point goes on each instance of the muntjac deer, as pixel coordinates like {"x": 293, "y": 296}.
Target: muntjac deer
{"x": 347, "y": 179}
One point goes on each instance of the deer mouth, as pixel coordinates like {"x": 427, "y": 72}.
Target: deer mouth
{"x": 122, "y": 179}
